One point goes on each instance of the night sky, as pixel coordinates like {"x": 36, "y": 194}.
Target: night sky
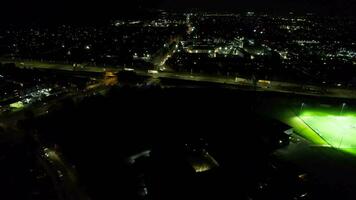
{"x": 25, "y": 9}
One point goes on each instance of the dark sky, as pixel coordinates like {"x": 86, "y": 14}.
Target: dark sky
{"x": 279, "y": 5}
{"x": 25, "y": 9}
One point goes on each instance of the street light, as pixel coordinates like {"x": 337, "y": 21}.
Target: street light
{"x": 301, "y": 108}
{"x": 343, "y": 134}
{"x": 342, "y": 108}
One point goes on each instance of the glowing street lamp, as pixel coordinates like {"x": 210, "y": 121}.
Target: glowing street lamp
{"x": 301, "y": 108}
{"x": 343, "y": 134}
{"x": 342, "y": 108}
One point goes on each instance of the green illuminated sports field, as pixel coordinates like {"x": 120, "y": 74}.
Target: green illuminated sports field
{"x": 327, "y": 128}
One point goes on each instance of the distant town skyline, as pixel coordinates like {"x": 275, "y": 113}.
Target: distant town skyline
{"x": 20, "y": 9}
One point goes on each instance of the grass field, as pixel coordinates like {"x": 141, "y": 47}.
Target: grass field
{"x": 330, "y": 126}
{"x": 325, "y": 125}
{"x": 337, "y": 130}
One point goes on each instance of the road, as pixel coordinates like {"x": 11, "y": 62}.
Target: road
{"x": 62, "y": 173}
{"x": 274, "y": 86}
{"x": 160, "y": 58}
{"x": 64, "y": 176}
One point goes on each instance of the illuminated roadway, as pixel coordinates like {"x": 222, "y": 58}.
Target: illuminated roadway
{"x": 63, "y": 175}
{"x": 274, "y": 86}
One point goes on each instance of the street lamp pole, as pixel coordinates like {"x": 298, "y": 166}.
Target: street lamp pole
{"x": 342, "y": 108}
{"x": 301, "y": 108}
